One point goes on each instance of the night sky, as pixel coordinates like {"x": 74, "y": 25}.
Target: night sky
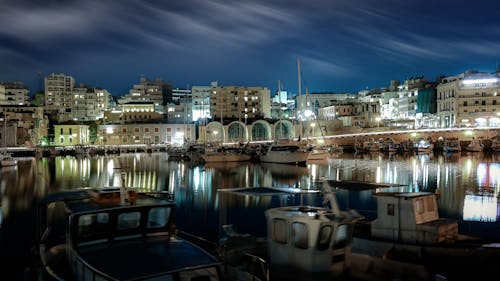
{"x": 343, "y": 45}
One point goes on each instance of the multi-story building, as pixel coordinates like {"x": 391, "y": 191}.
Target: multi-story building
{"x": 469, "y": 99}
{"x": 313, "y": 102}
{"x": 157, "y": 91}
{"x": 71, "y": 133}
{"x": 26, "y": 125}
{"x": 59, "y": 95}
{"x": 89, "y": 103}
{"x": 201, "y": 101}
{"x": 145, "y": 133}
{"x": 13, "y": 93}
{"x": 131, "y": 112}
{"x": 240, "y": 103}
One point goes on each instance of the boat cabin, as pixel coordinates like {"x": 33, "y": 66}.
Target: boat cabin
{"x": 411, "y": 217}
{"x": 95, "y": 234}
{"x": 308, "y": 238}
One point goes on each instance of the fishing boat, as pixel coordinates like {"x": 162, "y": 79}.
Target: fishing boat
{"x": 475, "y": 145}
{"x": 225, "y": 154}
{"x": 423, "y": 146}
{"x": 305, "y": 242}
{"x": 452, "y": 145}
{"x": 408, "y": 228}
{"x": 495, "y": 143}
{"x": 285, "y": 154}
{"x": 116, "y": 234}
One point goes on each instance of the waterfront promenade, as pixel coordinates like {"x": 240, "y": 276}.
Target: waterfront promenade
{"x": 343, "y": 137}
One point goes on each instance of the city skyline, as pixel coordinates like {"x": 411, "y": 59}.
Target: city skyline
{"x": 342, "y": 47}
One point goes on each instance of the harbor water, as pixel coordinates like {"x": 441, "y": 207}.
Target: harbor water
{"x": 468, "y": 185}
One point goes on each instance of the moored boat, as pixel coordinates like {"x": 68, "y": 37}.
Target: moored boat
{"x": 285, "y": 154}
{"x": 408, "y": 228}
{"x": 452, "y": 145}
{"x": 116, "y": 234}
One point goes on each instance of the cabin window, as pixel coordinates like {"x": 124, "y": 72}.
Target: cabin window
{"x": 279, "y": 231}
{"x": 158, "y": 217}
{"x": 129, "y": 220}
{"x": 324, "y": 237}
{"x": 390, "y": 209}
{"x": 419, "y": 206}
{"x": 93, "y": 225}
{"x": 299, "y": 235}
{"x": 342, "y": 237}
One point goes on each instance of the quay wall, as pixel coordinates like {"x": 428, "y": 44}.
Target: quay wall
{"x": 347, "y": 138}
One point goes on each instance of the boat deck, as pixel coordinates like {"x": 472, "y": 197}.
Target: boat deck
{"x": 134, "y": 258}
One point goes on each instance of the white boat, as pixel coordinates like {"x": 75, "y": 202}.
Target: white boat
{"x": 408, "y": 228}
{"x": 452, "y": 145}
{"x": 225, "y": 155}
{"x": 305, "y": 242}
{"x": 320, "y": 153}
{"x": 423, "y": 146}
{"x": 475, "y": 145}
{"x": 285, "y": 154}
{"x": 112, "y": 234}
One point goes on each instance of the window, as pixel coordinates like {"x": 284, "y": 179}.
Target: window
{"x": 129, "y": 220}
{"x": 62, "y": 131}
{"x": 146, "y": 130}
{"x": 93, "y": 225}
{"x": 158, "y": 217}
{"x": 279, "y": 231}
{"x": 324, "y": 237}
{"x": 124, "y": 130}
{"x": 390, "y": 209}
{"x": 136, "y": 130}
{"x": 343, "y": 236}
{"x": 157, "y": 130}
{"x": 300, "y": 236}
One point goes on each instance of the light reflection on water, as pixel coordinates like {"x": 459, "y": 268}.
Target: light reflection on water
{"x": 468, "y": 184}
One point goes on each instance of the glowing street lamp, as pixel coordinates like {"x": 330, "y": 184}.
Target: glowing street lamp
{"x": 378, "y": 121}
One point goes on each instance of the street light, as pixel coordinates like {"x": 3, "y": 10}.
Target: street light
{"x": 378, "y": 121}
{"x": 312, "y": 126}
{"x": 215, "y": 135}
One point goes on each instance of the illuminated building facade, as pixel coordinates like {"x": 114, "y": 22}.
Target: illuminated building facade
{"x": 469, "y": 99}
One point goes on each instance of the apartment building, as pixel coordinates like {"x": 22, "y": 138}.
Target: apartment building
{"x": 469, "y": 99}
{"x": 201, "y": 101}
{"x": 13, "y": 93}
{"x": 240, "y": 103}
{"x": 70, "y": 134}
{"x": 89, "y": 103}
{"x": 59, "y": 97}
{"x": 156, "y": 91}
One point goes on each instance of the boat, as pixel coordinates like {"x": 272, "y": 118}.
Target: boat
{"x": 475, "y": 145}
{"x": 408, "y": 228}
{"x": 225, "y": 154}
{"x": 177, "y": 152}
{"x": 320, "y": 153}
{"x": 116, "y": 234}
{"x": 495, "y": 144}
{"x": 304, "y": 242}
{"x": 451, "y": 145}
{"x": 285, "y": 154}
{"x": 6, "y": 160}
{"x": 423, "y": 146}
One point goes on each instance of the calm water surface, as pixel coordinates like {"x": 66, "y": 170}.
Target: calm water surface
{"x": 468, "y": 185}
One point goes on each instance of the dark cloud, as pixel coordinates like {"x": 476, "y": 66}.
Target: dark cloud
{"x": 343, "y": 45}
